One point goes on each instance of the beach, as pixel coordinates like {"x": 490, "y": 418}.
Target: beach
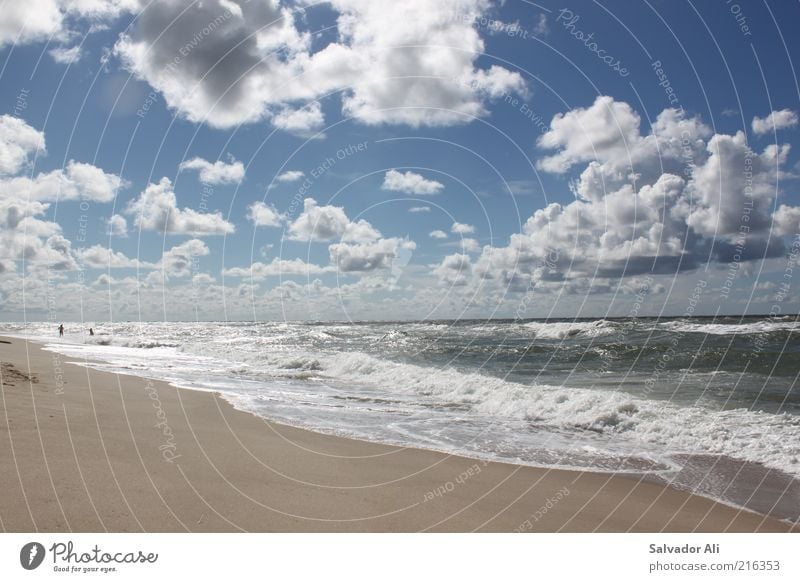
{"x": 87, "y": 450}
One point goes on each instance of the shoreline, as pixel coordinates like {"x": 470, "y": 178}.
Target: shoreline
{"x": 87, "y": 450}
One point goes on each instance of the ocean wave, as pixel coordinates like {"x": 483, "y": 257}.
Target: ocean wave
{"x": 571, "y": 329}
{"x": 730, "y": 328}
{"x": 772, "y": 439}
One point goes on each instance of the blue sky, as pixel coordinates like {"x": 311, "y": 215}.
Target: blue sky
{"x": 368, "y": 160}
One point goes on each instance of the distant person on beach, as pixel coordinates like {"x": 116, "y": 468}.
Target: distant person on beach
{"x": 61, "y": 330}
{"x": 91, "y": 331}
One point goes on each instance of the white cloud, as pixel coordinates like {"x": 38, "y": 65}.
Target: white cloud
{"x": 117, "y": 226}
{"x": 659, "y": 202}
{"x": 541, "y": 28}
{"x": 218, "y": 62}
{"x": 407, "y": 55}
{"x": 41, "y": 20}
{"x": 65, "y": 56}
{"x": 367, "y": 256}
{"x": 25, "y": 22}
{"x": 327, "y": 223}
{"x": 179, "y": 260}
{"x": 787, "y": 220}
{"x": 18, "y": 141}
{"x": 605, "y": 131}
{"x": 418, "y": 209}
{"x": 454, "y": 269}
{"x": 226, "y": 63}
{"x": 460, "y": 228}
{"x": 78, "y": 181}
{"x": 100, "y": 257}
{"x": 156, "y": 209}
{"x": 56, "y": 254}
{"x": 775, "y": 121}
{"x": 217, "y": 173}
{"x": 469, "y": 245}
{"x": 262, "y": 215}
{"x": 302, "y": 121}
{"x": 100, "y": 10}
{"x": 438, "y": 234}
{"x": 410, "y": 183}
{"x": 721, "y": 191}
{"x": 23, "y": 235}
{"x": 290, "y": 176}
{"x": 278, "y": 267}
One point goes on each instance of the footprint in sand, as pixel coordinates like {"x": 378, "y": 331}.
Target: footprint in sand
{"x": 10, "y": 374}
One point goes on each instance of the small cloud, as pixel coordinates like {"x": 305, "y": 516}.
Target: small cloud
{"x": 262, "y": 215}
{"x": 410, "y": 183}
{"x": 440, "y": 234}
{"x": 117, "y": 226}
{"x": 418, "y": 209}
{"x": 290, "y": 176}
{"x": 66, "y": 56}
{"x": 541, "y": 28}
{"x": 776, "y": 120}
{"x": 470, "y": 245}
{"x": 304, "y": 121}
{"x": 217, "y": 173}
{"x": 460, "y": 228}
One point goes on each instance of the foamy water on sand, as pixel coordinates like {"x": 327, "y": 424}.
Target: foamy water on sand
{"x": 605, "y": 395}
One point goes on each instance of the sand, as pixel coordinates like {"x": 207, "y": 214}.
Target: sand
{"x": 85, "y": 450}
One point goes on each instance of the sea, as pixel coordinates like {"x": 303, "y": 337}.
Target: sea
{"x": 709, "y": 405}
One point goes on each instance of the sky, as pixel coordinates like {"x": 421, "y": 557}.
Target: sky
{"x": 373, "y": 159}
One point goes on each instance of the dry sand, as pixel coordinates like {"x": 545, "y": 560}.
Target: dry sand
{"x": 84, "y": 450}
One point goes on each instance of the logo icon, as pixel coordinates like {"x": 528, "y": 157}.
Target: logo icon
{"x": 31, "y": 555}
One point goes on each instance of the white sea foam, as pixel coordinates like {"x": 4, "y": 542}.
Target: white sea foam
{"x": 729, "y": 328}
{"x": 754, "y": 436}
{"x": 571, "y": 329}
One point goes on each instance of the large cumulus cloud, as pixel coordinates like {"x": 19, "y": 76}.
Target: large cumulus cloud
{"x": 227, "y": 62}
{"x": 658, "y": 201}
